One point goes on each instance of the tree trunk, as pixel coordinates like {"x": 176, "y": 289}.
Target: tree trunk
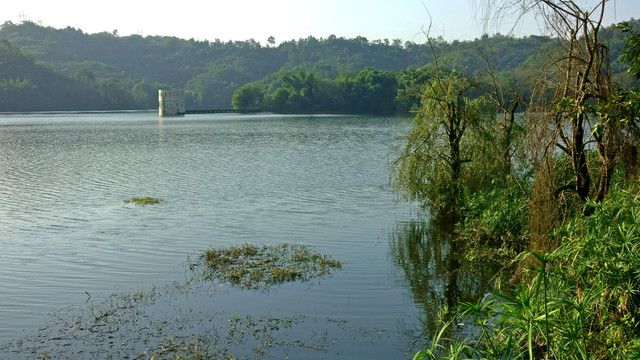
{"x": 579, "y": 160}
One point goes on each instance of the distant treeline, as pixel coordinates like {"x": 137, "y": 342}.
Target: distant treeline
{"x": 43, "y": 68}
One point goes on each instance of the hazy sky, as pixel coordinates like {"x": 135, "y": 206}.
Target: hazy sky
{"x": 282, "y": 19}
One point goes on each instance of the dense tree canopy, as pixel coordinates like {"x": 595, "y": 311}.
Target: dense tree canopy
{"x": 26, "y": 86}
{"x": 351, "y": 75}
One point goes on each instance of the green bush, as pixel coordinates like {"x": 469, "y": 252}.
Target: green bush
{"x": 496, "y": 218}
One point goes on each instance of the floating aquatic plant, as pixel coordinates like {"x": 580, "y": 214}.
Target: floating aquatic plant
{"x": 142, "y": 201}
{"x": 250, "y": 266}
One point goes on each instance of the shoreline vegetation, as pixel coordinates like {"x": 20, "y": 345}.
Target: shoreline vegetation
{"x": 545, "y": 182}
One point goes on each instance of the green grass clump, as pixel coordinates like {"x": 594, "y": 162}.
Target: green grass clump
{"x": 142, "y": 201}
{"x": 250, "y": 266}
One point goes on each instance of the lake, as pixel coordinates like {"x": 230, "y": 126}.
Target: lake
{"x": 69, "y": 243}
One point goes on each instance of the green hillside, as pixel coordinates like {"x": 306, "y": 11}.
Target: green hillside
{"x": 54, "y": 69}
{"x": 26, "y": 86}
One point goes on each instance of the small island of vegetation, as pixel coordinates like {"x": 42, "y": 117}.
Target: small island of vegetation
{"x": 142, "y": 201}
{"x": 261, "y": 267}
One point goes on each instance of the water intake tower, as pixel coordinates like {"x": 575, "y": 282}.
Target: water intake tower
{"x": 171, "y": 102}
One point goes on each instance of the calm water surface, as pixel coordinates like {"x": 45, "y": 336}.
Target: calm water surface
{"x": 225, "y": 179}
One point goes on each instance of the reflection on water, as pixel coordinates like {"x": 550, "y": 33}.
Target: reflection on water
{"x": 431, "y": 262}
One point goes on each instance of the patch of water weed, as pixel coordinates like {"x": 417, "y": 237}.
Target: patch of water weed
{"x": 111, "y": 328}
{"x": 142, "y": 201}
{"x": 257, "y": 335}
{"x": 169, "y": 325}
{"x": 259, "y": 267}
{"x": 176, "y": 321}
{"x": 260, "y": 337}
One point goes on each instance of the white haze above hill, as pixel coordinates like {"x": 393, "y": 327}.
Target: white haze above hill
{"x": 282, "y": 19}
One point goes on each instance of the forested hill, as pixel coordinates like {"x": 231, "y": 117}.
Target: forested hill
{"x": 211, "y": 71}
{"x": 26, "y": 86}
{"x": 125, "y": 72}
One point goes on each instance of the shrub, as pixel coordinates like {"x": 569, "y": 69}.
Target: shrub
{"x": 496, "y": 218}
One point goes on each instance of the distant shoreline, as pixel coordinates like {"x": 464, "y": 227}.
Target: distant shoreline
{"x": 59, "y": 112}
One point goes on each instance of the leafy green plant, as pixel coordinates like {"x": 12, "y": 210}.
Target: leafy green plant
{"x": 496, "y": 219}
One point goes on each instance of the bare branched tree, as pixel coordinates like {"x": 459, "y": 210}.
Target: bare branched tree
{"x": 506, "y": 100}
{"x": 576, "y": 82}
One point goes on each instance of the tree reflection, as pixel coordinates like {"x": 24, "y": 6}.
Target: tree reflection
{"x": 431, "y": 262}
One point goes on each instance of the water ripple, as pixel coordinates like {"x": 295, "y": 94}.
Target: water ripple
{"x": 223, "y": 180}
